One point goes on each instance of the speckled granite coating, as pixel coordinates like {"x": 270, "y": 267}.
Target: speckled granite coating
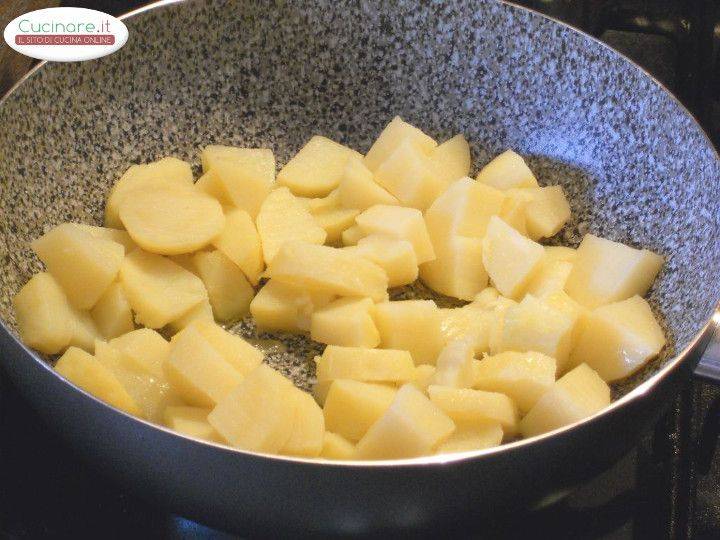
{"x": 635, "y": 166}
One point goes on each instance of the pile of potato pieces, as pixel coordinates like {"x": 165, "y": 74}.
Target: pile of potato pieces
{"x": 315, "y": 251}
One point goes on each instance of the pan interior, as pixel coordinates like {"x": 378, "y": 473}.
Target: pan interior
{"x": 636, "y": 167}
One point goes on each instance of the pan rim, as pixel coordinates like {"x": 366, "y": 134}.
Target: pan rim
{"x": 635, "y": 394}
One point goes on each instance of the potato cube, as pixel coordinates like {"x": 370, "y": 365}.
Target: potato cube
{"x": 335, "y": 221}
{"x": 85, "y": 331}
{"x": 506, "y": 171}
{"x": 159, "y": 291}
{"x": 352, "y": 235}
{"x": 308, "y": 431}
{"x": 112, "y": 313}
{"x": 408, "y": 174}
{"x": 42, "y": 313}
{"x": 497, "y": 322}
{"x": 364, "y": 365}
{"x": 171, "y": 221}
{"x": 560, "y": 253}
{"x": 167, "y": 172}
{"x": 337, "y": 447}
{"x": 534, "y": 325}
{"x": 514, "y": 207}
{"x": 283, "y": 218}
{"x": 470, "y": 322}
{"x": 198, "y": 372}
{"x": 240, "y": 242}
{"x": 237, "y": 352}
{"x": 281, "y": 306}
{"x": 488, "y": 298}
{"x": 351, "y": 407}
{"x": 146, "y": 348}
{"x": 359, "y": 190}
{"x": 469, "y": 407}
{"x": 317, "y": 168}
{"x": 510, "y": 259}
{"x": 393, "y": 136}
{"x": 578, "y": 394}
{"x": 465, "y": 208}
{"x": 397, "y": 257}
{"x": 524, "y": 377}
{"x": 82, "y": 264}
{"x": 454, "y": 366}
{"x": 451, "y": 160}
{"x": 241, "y": 177}
{"x": 328, "y": 269}
{"x": 458, "y": 269}
{"x": 201, "y": 312}
{"x": 547, "y": 212}
{"x": 84, "y": 371}
{"x": 467, "y": 439}
{"x": 152, "y": 395}
{"x": 105, "y": 233}
{"x": 191, "y": 421}
{"x": 228, "y": 289}
{"x": 550, "y": 277}
{"x": 618, "y": 339}
{"x": 607, "y": 271}
{"x": 259, "y": 414}
{"x": 347, "y": 322}
{"x": 423, "y": 376}
{"x": 411, "y": 325}
{"x": 317, "y": 205}
{"x": 401, "y": 223}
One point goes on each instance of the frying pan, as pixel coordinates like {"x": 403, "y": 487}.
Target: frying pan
{"x": 635, "y": 165}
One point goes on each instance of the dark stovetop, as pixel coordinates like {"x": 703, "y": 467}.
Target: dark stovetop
{"x": 667, "y": 487}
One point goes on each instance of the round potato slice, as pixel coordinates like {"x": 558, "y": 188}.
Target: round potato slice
{"x": 172, "y": 221}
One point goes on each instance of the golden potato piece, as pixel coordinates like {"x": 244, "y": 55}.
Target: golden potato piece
{"x": 351, "y": 407}
{"x": 240, "y": 242}
{"x": 112, "y": 313}
{"x": 308, "y": 432}
{"x": 391, "y": 137}
{"x": 465, "y": 439}
{"x": 506, "y": 171}
{"x": 146, "y": 348}
{"x": 191, "y": 421}
{"x": 451, "y": 159}
{"x": 337, "y": 447}
{"x": 235, "y": 350}
{"x": 411, "y": 325}
{"x": 229, "y": 292}
{"x": 286, "y": 307}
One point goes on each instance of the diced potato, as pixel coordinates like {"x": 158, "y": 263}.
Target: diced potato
{"x": 201, "y": 312}
{"x": 469, "y": 407}
{"x": 159, "y": 291}
{"x": 401, "y": 223}
{"x": 618, "y": 339}
{"x": 550, "y": 277}
{"x": 359, "y": 190}
{"x": 85, "y": 331}
{"x": 151, "y": 395}
{"x": 560, "y": 253}
{"x": 465, "y": 208}
{"x": 237, "y": 352}
{"x": 316, "y": 205}
{"x": 112, "y": 313}
{"x": 510, "y": 259}
{"x": 228, "y": 290}
{"x": 578, "y": 394}
{"x": 534, "y": 325}
{"x": 451, "y": 160}
{"x": 487, "y": 298}
{"x": 317, "y": 168}
{"x": 171, "y": 221}
{"x": 42, "y": 313}
{"x": 146, "y": 348}
{"x": 82, "y": 264}
{"x": 524, "y": 377}
{"x": 393, "y": 136}
{"x": 115, "y": 235}
{"x": 337, "y": 447}
{"x": 364, "y": 365}
{"x": 259, "y": 414}
{"x": 351, "y": 407}
{"x": 335, "y": 221}
{"x": 607, "y": 271}
{"x": 412, "y": 426}
{"x": 454, "y": 366}
{"x": 283, "y": 218}
{"x": 308, "y": 431}
{"x": 408, "y": 174}
{"x": 242, "y": 177}
{"x": 470, "y": 322}
{"x": 167, "y": 172}
{"x": 411, "y": 325}
{"x": 328, "y": 269}
{"x": 467, "y": 439}
{"x": 186, "y": 261}
{"x": 508, "y": 170}
{"x": 281, "y": 306}
{"x": 81, "y": 369}
{"x": 458, "y": 269}
{"x": 347, "y": 322}
{"x": 496, "y": 323}
{"x": 240, "y": 242}
{"x": 423, "y": 376}
{"x": 191, "y": 421}
{"x": 547, "y": 212}
{"x": 198, "y": 372}
{"x": 397, "y": 257}
{"x": 352, "y": 235}
{"x": 514, "y": 207}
